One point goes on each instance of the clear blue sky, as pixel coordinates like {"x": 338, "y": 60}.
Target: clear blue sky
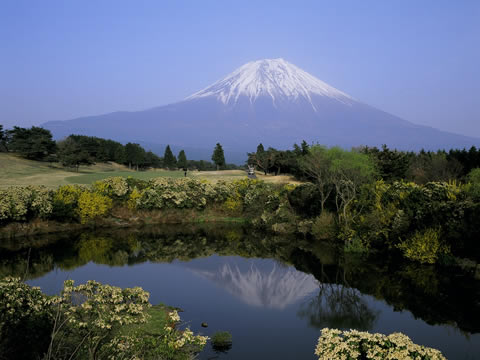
{"x": 64, "y": 59}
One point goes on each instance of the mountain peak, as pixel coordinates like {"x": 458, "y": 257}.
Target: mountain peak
{"x": 274, "y": 78}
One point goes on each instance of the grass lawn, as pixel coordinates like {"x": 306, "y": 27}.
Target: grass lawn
{"x": 15, "y": 170}
{"x": 145, "y": 175}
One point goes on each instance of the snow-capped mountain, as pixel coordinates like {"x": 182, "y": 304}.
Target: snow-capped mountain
{"x": 276, "y": 79}
{"x": 269, "y": 101}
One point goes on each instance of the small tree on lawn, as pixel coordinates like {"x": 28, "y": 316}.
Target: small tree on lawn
{"x": 169, "y": 160}
{"x": 218, "y": 156}
{"x": 182, "y": 159}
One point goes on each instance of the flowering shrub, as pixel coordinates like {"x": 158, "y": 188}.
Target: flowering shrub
{"x": 169, "y": 343}
{"x": 89, "y": 316}
{"x": 22, "y": 203}
{"x": 100, "y": 307}
{"x": 23, "y": 310}
{"x": 165, "y": 193}
{"x": 92, "y": 205}
{"x": 336, "y": 344}
{"x": 220, "y": 191}
{"x": 113, "y": 187}
{"x": 91, "y": 320}
{"x": 177, "y": 339}
{"x": 18, "y": 300}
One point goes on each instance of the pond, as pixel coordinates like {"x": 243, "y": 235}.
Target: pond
{"x": 273, "y": 294}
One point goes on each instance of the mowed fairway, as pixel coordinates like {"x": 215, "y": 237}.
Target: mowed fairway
{"x": 144, "y": 175}
{"x": 15, "y": 170}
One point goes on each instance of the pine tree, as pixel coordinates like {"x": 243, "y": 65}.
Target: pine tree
{"x": 169, "y": 160}
{"x": 35, "y": 143}
{"x": 218, "y": 157}
{"x": 182, "y": 160}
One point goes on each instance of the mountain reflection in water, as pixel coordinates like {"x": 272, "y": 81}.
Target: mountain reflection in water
{"x": 274, "y": 288}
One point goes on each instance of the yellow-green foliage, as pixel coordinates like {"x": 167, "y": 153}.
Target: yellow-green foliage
{"x": 353, "y": 345}
{"x": 233, "y": 203}
{"x": 112, "y": 187}
{"x": 65, "y": 201}
{"x": 424, "y": 246}
{"x": 21, "y": 203}
{"x": 134, "y": 199}
{"x": 68, "y": 194}
{"x": 92, "y": 205}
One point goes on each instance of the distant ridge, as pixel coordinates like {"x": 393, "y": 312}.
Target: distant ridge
{"x": 269, "y": 101}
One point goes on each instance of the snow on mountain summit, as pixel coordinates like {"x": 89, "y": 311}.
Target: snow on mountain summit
{"x": 275, "y": 78}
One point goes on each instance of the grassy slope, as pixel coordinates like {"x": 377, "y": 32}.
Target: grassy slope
{"x": 15, "y": 170}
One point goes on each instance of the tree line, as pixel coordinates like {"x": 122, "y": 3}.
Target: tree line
{"x": 391, "y": 165}
{"x": 37, "y": 143}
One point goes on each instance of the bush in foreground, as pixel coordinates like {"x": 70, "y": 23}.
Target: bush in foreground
{"x": 90, "y": 321}
{"x": 336, "y": 344}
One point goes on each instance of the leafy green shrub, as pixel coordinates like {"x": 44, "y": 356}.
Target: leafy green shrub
{"x": 306, "y": 200}
{"x": 473, "y": 179}
{"x": 336, "y": 344}
{"x": 92, "y": 205}
{"x": 221, "y": 341}
{"x": 424, "y": 246}
{"x": 324, "y": 226}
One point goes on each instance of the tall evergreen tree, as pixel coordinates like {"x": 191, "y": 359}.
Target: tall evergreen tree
{"x": 182, "y": 160}
{"x": 218, "y": 156}
{"x": 169, "y": 160}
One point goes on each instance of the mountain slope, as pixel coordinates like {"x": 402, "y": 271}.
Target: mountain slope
{"x": 268, "y": 101}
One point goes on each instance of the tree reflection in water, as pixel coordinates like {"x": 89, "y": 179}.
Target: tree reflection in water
{"x": 338, "y": 306}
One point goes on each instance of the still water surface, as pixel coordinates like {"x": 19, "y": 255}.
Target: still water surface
{"x": 273, "y": 294}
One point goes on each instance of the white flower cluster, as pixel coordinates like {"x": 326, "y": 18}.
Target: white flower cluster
{"x": 177, "y": 339}
{"x": 336, "y": 344}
